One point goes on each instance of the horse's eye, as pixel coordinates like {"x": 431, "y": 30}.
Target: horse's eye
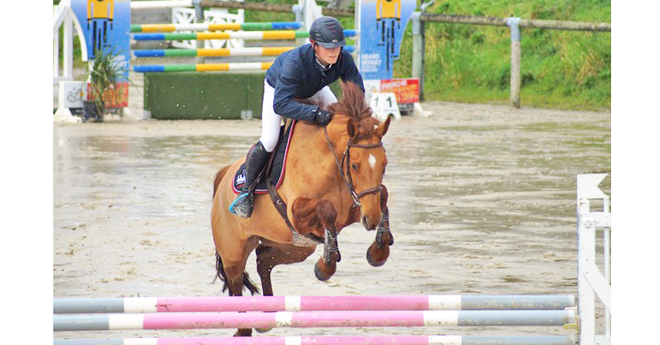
{"x": 354, "y": 166}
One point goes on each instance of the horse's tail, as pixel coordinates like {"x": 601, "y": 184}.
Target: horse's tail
{"x": 247, "y": 282}
{"x": 218, "y": 178}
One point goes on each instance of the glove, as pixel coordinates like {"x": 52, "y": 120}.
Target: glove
{"x": 322, "y": 117}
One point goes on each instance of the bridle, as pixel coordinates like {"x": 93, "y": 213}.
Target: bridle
{"x": 345, "y": 161}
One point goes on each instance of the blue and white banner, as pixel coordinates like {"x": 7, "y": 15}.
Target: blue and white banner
{"x": 106, "y": 24}
{"x": 382, "y": 23}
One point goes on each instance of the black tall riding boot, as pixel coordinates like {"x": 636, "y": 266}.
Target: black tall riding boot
{"x": 256, "y": 160}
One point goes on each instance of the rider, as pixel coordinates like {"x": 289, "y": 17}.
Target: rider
{"x": 301, "y": 73}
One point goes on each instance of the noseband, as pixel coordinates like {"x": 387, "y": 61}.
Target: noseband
{"x": 345, "y": 161}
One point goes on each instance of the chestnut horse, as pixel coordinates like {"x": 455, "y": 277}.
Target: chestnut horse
{"x": 333, "y": 179}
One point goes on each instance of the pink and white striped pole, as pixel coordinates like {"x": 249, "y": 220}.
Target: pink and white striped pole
{"x": 332, "y": 340}
{"x": 307, "y": 319}
{"x": 311, "y": 303}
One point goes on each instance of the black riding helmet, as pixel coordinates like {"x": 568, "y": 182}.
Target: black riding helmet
{"x": 327, "y": 32}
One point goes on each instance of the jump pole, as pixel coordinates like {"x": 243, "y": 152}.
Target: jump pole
{"x": 311, "y": 303}
{"x": 260, "y": 51}
{"x": 307, "y": 319}
{"x": 205, "y": 67}
{"x": 330, "y": 340}
{"x": 243, "y": 35}
{"x": 215, "y": 27}
{"x": 255, "y": 51}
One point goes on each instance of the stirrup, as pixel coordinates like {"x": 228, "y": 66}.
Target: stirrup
{"x": 240, "y": 202}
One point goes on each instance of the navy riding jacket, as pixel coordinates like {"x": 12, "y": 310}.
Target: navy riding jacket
{"x": 296, "y": 74}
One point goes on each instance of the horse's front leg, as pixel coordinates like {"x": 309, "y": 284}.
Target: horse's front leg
{"x": 319, "y": 214}
{"x": 379, "y": 251}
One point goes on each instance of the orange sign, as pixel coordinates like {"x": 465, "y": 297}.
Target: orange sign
{"x": 114, "y": 97}
{"x": 406, "y": 90}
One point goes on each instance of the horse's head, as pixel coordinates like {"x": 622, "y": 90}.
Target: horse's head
{"x": 364, "y": 157}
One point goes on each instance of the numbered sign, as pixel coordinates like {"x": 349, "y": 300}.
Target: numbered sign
{"x": 72, "y": 94}
{"x": 384, "y": 104}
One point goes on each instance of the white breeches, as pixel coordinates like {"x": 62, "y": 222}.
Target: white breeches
{"x": 271, "y": 122}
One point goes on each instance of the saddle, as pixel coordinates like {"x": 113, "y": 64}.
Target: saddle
{"x": 274, "y": 171}
{"x": 278, "y": 165}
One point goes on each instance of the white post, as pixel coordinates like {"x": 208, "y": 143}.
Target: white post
{"x": 515, "y": 61}
{"x": 358, "y": 30}
{"x": 199, "y": 18}
{"x": 606, "y": 263}
{"x": 418, "y": 52}
{"x": 56, "y": 54}
{"x": 586, "y": 234}
{"x": 67, "y": 58}
{"x": 591, "y": 281}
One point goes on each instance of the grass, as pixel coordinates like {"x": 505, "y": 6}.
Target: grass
{"x": 560, "y": 69}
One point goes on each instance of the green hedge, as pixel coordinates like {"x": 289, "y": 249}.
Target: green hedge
{"x": 205, "y": 95}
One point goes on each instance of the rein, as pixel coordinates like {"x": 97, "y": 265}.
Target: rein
{"x": 345, "y": 161}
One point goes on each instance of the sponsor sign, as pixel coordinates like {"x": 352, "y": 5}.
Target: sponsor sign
{"x": 106, "y": 25}
{"x": 381, "y": 25}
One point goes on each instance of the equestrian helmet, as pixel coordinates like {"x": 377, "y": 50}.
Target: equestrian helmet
{"x": 327, "y": 32}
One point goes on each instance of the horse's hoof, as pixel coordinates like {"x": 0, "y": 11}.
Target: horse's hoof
{"x": 377, "y": 260}
{"x": 319, "y": 271}
{"x": 391, "y": 239}
{"x": 263, "y": 330}
{"x": 319, "y": 275}
{"x": 243, "y": 332}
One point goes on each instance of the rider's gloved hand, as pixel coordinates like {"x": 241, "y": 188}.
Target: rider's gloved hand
{"x": 322, "y": 117}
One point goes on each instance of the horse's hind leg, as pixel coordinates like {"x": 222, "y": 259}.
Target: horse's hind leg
{"x": 269, "y": 256}
{"x": 237, "y": 285}
{"x": 235, "y": 277}
{"x": 319, "y": 214}
{"x": 379, "y": 251}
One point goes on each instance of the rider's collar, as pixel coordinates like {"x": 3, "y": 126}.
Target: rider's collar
{"x": 323, "y": 67}
{"x": 318, "y": 62}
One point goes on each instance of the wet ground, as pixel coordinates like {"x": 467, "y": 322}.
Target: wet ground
{"x": 482, "y": 201}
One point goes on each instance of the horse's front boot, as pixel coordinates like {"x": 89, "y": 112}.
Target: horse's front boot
{"x": 384, "y": 235}
{"x": 327, "y": 265}
{"x": 379, "y": 251}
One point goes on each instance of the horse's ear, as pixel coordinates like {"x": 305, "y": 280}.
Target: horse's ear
{"x": 352, "y": 128}
{"x": 383, "y": 127}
